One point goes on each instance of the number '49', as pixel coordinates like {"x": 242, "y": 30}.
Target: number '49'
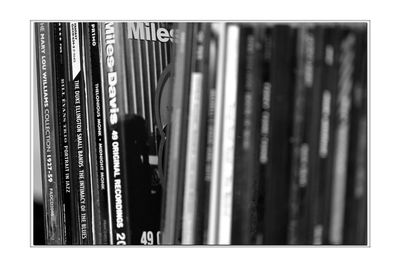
{"x": 147, "y": 238}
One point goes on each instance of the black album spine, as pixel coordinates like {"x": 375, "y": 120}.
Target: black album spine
{"x": 139, "y": 131}
{"x": 239, "y": 180}
{"x": 326, "y": 144}
{"x": 114, "y": 86}
{"x": 139, "y": 137}
{"x": 59, "y": 32}
{"x": 305, "y": 167}
{"x": 74, "y": 215}
{"x": 277, "y": 175}
{"x": 316, "y": 180}
{"x": 252, "y": 123}
{"x": 300, "y": 166}
{"x": 298, "y": 122}
{"x": 247, "y": 152}
{"x": 355, "y": 230}
{"x": 95, "y": 120}
{"x": 327, "y": 150}
{"x": 80, "y": 171}
{"x": 264, "y": 127}
{"x": 48, "y": 136}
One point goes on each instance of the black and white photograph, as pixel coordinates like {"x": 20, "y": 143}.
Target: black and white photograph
{"x": 200, "y": 133}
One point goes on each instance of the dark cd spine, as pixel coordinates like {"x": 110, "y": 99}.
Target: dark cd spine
{"x": 74, "y": 216}
{"x": 264, "y": 126}
{"x": 355, "y": 221}
{"x": 80, "y": 172}
{"x": 325, "y": 151}
{"x": 114, "y": 86}
{"x": 277, "y": 173}
{"x": 300, "y": 166}
{"x": 60, "y": 65}
{"x": 327, "y": 148}
{"x": 239, "y": 180}
{"x": 138, "y": 123}
{"x": 95, "y": 120}
{"x": 48, "y": 136}
{"x": 315, "y": 228}
{"x": 247, "y": 138}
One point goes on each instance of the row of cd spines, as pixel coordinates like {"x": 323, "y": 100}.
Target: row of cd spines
{"x": 267, "y": 140}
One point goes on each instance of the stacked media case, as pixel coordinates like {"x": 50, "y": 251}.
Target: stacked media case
{"x": 100, "y": 135}
{"x": 203, "y": 133}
